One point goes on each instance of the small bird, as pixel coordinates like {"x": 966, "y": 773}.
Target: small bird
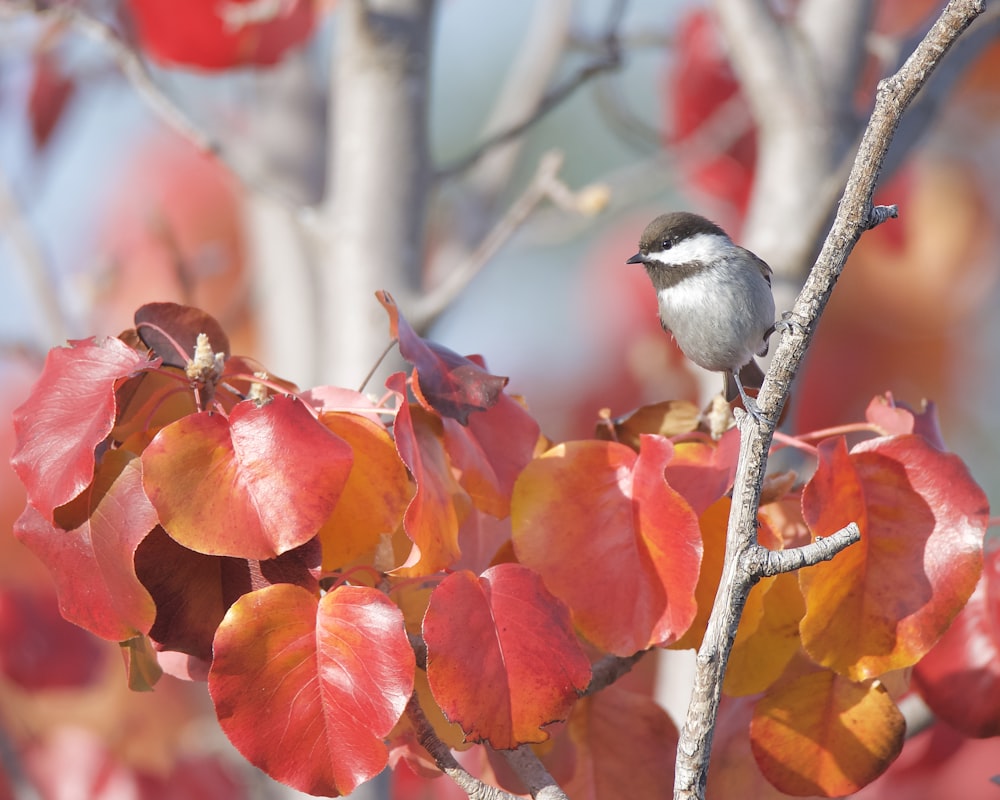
{"x": 714, "y": 297}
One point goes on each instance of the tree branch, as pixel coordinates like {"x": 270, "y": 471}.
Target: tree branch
{"x": 30, "y": 261}
{"x": 378, "y": 176}
{"x": 544, "y": 185}
{"x": 541, "y": 784}
{"x": 609, "y": 669}
{"x": 855, "y": 215}
{"x": 607, "y": 59}
{"x": 766, "y": 563}
{"x": 473, "y": 787}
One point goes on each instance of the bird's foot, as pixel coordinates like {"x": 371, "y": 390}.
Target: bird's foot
{"x": 754, "y": 411}
{"x": 788, "y": 323}
{"x": 749, "y": 403}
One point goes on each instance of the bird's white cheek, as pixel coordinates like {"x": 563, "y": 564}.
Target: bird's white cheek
{"x": 704, "y": 248}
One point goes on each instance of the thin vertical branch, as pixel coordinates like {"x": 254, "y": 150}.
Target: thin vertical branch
{"x": 855, "y": 215}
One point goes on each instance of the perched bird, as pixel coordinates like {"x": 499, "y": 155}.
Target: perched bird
{"x": 714, "y": 297}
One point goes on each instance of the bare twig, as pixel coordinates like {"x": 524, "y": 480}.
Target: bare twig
{"x": 609, "y": 669}
{"x": 766, "y": 563}
{"x": 473, "y": 787}
{"x": 544, "y": 185}
{"x": 527, "y": 766}
{"x": 855, "y": 215}
{"x": 134, "y": 68}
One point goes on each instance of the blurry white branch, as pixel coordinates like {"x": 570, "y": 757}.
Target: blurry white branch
{"x": 133, "y": 67}
{"x": 800, "y": 76}
{"x": 545, "y": 185}
{"x": 28, "y": 258}
{"x": 378, "y": 177}
{"x": 608, "y": 57}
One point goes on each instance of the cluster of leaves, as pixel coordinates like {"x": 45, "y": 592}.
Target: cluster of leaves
{"x": 349, "y": 573}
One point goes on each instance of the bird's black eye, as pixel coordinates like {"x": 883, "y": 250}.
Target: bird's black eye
{"x": 666, "y": 244}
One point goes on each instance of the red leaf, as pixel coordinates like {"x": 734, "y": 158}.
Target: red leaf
{"x": 530, "y": 668}
{"x": 960, "y": 678}
{"x": 73, "y": 761}
{"x": 489, "y": 453}
{"x": 193, "y": 591}
{"x": 253, "y": 486}
{"x": 51, "y": 90}
{"x": 92, "y": 561}
{"x": 71, "y": 409}
{"x": 219, "y": 35}
{"x": 432, "y": 517}
{"x": 612, "y": 540}
{"x": 703, "y": 471}
{"x": 884, "y": 602}
{"x": 307, "y": 691}
{"x": 892, "y": 418}
{"x": 706, "y": 99}
{"x": 41, "y": 650}
{"x": 443, "y": 381}
{"x": 171, "y": 331}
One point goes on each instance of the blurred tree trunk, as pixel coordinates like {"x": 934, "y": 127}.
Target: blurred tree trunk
{"x": 378, "y": 178}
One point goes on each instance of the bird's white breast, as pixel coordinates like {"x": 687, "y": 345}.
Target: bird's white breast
{"x": 717, "y": 321}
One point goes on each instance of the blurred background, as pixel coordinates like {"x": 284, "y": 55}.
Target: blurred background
{"x": 247, "y": 161}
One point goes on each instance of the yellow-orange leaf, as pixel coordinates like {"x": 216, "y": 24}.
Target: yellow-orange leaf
{"x": 822, "y": 734}
{"x": 883, "y": 603}
{"x": 768, "y": 635}
{"x": 374, "y": 498}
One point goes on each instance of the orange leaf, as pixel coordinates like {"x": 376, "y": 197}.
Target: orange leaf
{"x": 821, "y": 734}
{"x": 254, "y": 485}
{"x": 883, "y": 603}
{"x": 374, "y": 498}
{"x": 611, "y": 539}
{"x": 768, "y": 635}
{"x": 308, "y": 690}
{"x": 713, "y": 523}
{"x": 432, "y": 518}
{"x": 502, "y": 659}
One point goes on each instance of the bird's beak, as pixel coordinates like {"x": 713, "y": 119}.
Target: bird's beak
{"x": 636, "y": 259}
